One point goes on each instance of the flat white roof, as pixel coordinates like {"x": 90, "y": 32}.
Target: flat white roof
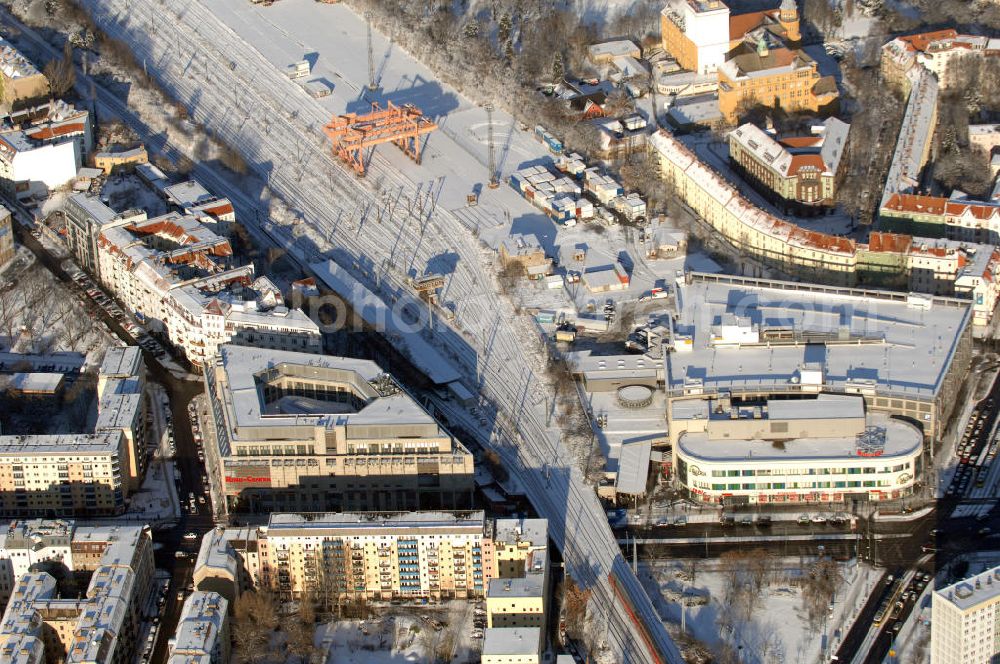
{"x": 901, "y": 439}
{"x": 909, "y": 350}
{"x": 512, "y": 641}
{"x": 379, "y": 523}
{"x": 969, "y": 592}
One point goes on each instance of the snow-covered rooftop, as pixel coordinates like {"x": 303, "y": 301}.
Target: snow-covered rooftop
{"x": 900, "y": 439}
{"x": 899, "y": 344}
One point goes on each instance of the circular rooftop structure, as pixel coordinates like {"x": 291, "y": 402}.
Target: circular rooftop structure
{"x": 635, "y": 396}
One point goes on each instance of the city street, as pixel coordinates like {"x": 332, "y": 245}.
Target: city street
{"x": 180, "y": 393}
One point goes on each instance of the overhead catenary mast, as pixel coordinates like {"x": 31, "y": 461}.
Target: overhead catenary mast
{"x": 371, "y": 53}
{"x": 494, "y": 182}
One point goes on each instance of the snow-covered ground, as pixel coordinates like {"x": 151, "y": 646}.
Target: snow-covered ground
{"x": 404, "y": 636}
{"x": 778, "y": 630}
{"x": 332, "y": 39}
{"x": 239, "y": 97}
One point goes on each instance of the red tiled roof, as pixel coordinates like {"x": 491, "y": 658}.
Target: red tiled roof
{"x": 889, "y": 242}
{"x": 740, "y": 24}
{"x": 979, "y": 211}
{"x": 800, "y": 141}
{"x": 801, "y": 161}
{"x": 916, "y": 203}
{"x": 921, "y": 41}
{"x": 45, "y": 133}
{"x": 822, "y": 240}
{"x": 225, "y": 208}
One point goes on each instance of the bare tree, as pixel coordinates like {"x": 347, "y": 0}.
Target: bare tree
{"x": 819, "y": 584}
{"x": 60, "y": 73}
{"x": 254, "y": 618}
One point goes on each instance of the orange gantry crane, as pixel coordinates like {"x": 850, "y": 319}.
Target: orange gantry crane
{"x": 352, "y": 134}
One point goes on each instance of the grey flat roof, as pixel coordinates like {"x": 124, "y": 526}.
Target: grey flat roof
{"x": 633, "y": 467}
{"x": 916, "y": 341}
{"x": 382, "y": 523}
{"x": 965, "y": 594}
{"x": 242, "y": 363}
{"x": 512, "y": 641}
{"x": 121, "y": 361}
{"x": 529, "y": 585}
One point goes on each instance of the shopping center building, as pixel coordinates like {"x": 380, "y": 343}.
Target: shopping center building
{"x": 302, "y": 432}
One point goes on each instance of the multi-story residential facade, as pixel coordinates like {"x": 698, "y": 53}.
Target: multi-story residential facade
{"x": 23, "y": 85}
{"x": 934, "y": 51}
{"x": 202, "y": 635}
{"x": 85, "y": 474}
{"x": 6, "y": 236}
{"x": 799, "y": 173}
{"x": 102, "y": 626}
{"x": 822, "y": 449}
{"x": 811, "y": 255}
{"x": 517, "y": 595}
{"x": 301, "y": 432}
{"x": 176, "y": 273}
{"x": 86, "y": 216}
{"x": 65, "y": 475}
{"x": 43, "y": 149}
{"x": 965, "y": 621}
{"x": 380, "y": 556}
{"x": 376, "y": 556}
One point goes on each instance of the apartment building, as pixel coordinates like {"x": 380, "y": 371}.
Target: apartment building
{"x": 768, "y": 450}
{"x": 6, "y": 236}
{"x": 301, "y": 432}
{"x": 814, "y": 256}
{"x": 99, "y": 627}
{"x": 799, "y": 173}
{"x": 43, "y": 148}
{"x": 202, "y": 634}
{"x": 23, "y": 85}
{"x": 517, "y": 595}
{"x": 111, "y": 160}
{"x": 177, "y": 274}
{"x": 513, "y": 645}
{"x": 378, "y": 556}
{"x": 965, "y": 621}
{"x": 121, "y": 406}
{"x": 934, "y": 51}
{"x": 84, "y": 474}
{"x": 66, "y": 475}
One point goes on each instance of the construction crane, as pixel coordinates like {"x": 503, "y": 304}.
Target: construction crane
{"x": 352, "y": 134}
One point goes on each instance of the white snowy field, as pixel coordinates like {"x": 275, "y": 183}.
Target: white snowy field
{"x": 394, "y": 639}
{"x": 778, "y": 631}
{"x": 332, "y": 39}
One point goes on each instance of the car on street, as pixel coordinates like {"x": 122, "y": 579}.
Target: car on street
{"x": 190, "y": 536}
{"x": 818, "y": 518}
